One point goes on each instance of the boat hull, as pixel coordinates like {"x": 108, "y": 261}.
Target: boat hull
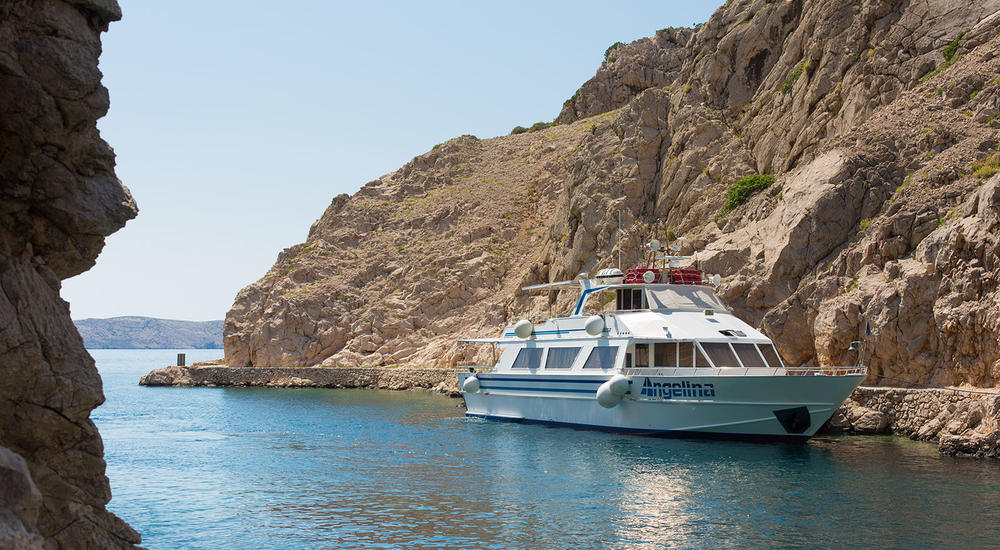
{"x": 731, "y": 407}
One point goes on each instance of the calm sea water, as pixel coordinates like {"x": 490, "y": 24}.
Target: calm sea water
{"x": 305, "y": 468}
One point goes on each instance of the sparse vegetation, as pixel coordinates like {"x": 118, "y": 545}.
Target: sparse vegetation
{"x": 987, "y": 167}
{"x": 865, "y": 224}
{"x": 518, "y": 130}
{"x": 739, "y": 192}
{"x": 950, "y": 49}
{"x": 853, "y": 285}
{"x": 608, "y": 58}
{"x": 571, "y": 99}
{"x": 790, "y": 81}
{"x": 949, "y": 57}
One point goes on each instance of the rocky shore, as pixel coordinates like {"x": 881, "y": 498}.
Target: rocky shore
{"x": 215, "y": 374}
{"x": 960, "y": 421}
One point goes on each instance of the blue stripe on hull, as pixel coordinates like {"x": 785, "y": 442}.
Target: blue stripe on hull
{"x": 523, "y": 388}
{"x": 536, "y": 379}
{"x": 652, "y": 433}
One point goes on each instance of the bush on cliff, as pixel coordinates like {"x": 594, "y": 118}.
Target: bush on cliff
{"x": 742, "y": 190}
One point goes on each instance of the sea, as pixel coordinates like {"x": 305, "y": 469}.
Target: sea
{"x": 345, "y": 468}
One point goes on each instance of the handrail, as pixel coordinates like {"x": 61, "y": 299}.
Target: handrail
{"x": 744, "y": 371}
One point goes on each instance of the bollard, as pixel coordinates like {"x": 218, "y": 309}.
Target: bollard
{"x": 180, "y": 359}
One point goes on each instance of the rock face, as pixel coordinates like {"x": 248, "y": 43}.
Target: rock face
{"x": 878, "y": 119}
{"x": 59, "y": 198}
{"x": 961, "y": 421}
{"x": 627, "y": 71}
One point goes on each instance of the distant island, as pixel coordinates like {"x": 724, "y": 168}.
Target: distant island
{"x": 149, "y": 333}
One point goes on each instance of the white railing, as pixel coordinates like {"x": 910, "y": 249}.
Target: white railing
{"x": 825, "y": 371}
{"x": 743, "y": 371}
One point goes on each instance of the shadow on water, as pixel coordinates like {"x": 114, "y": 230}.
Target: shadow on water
{"x": 267, "y": 468}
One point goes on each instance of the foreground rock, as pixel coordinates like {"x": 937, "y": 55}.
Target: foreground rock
{"x": 437, "y": 380}
{"x": 59, "y": 198}
{"x": 960, "y": 421}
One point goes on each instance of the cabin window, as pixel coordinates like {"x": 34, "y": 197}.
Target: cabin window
{"x": 685, "y": 354}
{"x": 630, "y": 298}
{"x": 641, "y": 355}
{"x": 602, "y": 358}
{"x": 748, "y": 355}
{"x": 561, "y": 358}
{"x": 721, "y": 354}
{"x": 665, "y": 355}
{"x": 767, "y": 350}
{"x": 700, "y": 360}
{"x": 528, "y": 358}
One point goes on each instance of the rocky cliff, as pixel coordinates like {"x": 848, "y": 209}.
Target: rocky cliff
{"x": 59, "y": 198}
{"x": 878, "y": 120}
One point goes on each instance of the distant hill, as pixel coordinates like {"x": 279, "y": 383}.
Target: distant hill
{"x": 149, "y": 333}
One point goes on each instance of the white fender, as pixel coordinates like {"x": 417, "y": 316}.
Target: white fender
{"x": 523, "y": 328}
{"x": 471, "y": 384}
{"x": 594, "y": 325}
{"x": 610, "y": 393}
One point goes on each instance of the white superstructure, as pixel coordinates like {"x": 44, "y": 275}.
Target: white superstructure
{"x": 669, "y": 359}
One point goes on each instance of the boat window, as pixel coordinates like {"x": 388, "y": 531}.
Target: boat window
{"x": 767, "y": 350}
{"x": 528, "y": 358}
{"x": 561, "y": 358}
{"x": 630, "y": 298}
{"x": 685, "y": 354}
{"x": 748, "y": 355}
{"x": 665, "y": 355}
{"x": 602, "y": 358}
{"x": 624, "y": 299}
{"x": 642, "y": 355}
{"x": 700, "y": 360}
{"x": 720, "y": 353}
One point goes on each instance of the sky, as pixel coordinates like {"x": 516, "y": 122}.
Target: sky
{"x": 236, "y": 122}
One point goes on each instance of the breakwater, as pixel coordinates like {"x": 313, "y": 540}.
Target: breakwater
{"x": 960, "y": 421}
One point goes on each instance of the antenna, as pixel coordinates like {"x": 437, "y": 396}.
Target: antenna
{"x": 619, "y": 239}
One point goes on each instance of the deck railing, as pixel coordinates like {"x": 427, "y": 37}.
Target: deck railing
{"x": 744, "y": 371}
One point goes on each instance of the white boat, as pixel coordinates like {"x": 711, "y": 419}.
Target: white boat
{"x": 669, "y": 360}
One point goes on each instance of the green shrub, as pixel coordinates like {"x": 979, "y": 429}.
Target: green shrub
{"x": 740, "y": 191}
{"x": 540, "y": 126}
{"x": 790, "y": 81}
{"x": 865, "y": 224}
{"x": 950, "y": 49}
{"x": 987, "y": 167}
{"x": 611, "y": 48}
{"x": 518, "y": 130}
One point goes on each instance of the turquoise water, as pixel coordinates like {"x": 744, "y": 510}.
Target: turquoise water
{"x": 305, "y": 468}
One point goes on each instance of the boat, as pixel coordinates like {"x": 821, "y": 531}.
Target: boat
{"x": 669, "y": 360}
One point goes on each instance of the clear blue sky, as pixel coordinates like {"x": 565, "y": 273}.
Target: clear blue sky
{"x": 236, "y": 122}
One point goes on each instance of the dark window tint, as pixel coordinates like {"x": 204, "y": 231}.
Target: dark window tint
{"x": 665, "y": 355}
{"x": 561, "y": 358}
{"x": 602, "y": 358}
{"x": 642, "y": 355}
{"x": 720, "y": 354}
{"x": 699, "y": 359}
{"x": 686, "y": 358}
{"x": 748, "y": 355}
{"x": 528, "y": 358}
{"x": 772, "y": 356}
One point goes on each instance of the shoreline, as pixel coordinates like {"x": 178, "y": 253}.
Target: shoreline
{"x": 963, "y": 422}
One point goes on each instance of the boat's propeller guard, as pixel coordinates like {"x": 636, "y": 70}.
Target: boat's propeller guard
{"x": 795, "y": 420}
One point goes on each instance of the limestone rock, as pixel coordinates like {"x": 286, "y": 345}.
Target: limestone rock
{"x": 884, "y": 212}
{"x": 58, "y": 201}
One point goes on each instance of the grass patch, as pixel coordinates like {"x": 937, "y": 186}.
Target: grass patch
{"x": 987, "y": 167}
{"x": 950, "y": 49}
{"x": 790, "y": 81}
{"x": 739, "y": 192}
{"x": 607, "y": 53}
